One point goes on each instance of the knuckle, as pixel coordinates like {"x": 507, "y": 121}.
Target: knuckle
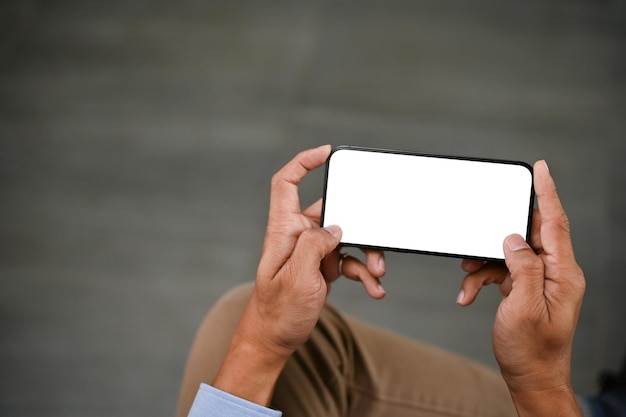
{"x": 276, "y": 180}
{"x": 564, "y": 220}
{"x": 560, "y": 225}
{"x": 312, "y": 237}
{"x": 474, "y": 282}
{"x": 313, "y": 242}
{"x": 564, "y": 224}
{"x": 579, "y": 281}
{"x": 309, "y": 234}
{"x": 529, "y": 264}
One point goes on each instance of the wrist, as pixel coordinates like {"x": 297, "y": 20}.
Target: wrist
{"x": 250, "y": 371}
{"x": 253, "y": 361}
{"x": 555, "y": 401}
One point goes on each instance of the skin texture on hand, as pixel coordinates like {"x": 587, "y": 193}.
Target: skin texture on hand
{"x": 298, "y": 263}
{"x": 534, "y": 325}
{"x": 535, "y": 322}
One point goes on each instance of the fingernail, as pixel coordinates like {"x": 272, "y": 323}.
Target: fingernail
{"x": 546, "y": 165}
{"x": 381, "y": 289}
{"x": 381, "y": 264}
{"x": 516, "y": 242}
{"x": 334, "y": 230}
{"x": 460, "y": 297}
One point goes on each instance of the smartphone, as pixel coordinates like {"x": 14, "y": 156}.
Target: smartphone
{"x": 431, "y": 204}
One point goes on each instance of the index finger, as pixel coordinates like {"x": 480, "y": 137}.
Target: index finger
{"x": 555, "y": 229}
{"x": 284, "y": 193}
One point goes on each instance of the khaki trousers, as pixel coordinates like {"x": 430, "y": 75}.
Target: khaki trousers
{"x": 350, "y": 368}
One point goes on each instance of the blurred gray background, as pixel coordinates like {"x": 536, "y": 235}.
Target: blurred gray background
{"x": 137, "y": 140}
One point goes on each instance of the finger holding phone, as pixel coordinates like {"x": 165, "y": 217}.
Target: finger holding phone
{"x": 427, "y": 205}
{"x": 298, "y": 263}
{"x": 535, "y": 322}
{"x": 534, "y": 325}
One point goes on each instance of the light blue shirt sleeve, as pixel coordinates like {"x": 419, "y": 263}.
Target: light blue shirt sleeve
{"x": 211, "y": 402}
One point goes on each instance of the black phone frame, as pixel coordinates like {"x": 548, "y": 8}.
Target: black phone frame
{"x": 412, "y": 153}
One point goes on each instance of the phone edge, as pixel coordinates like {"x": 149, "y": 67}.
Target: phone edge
{"x": 414, "y": 153}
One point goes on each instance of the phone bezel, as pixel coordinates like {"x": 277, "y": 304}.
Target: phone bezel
{"x": 412, "y": 153}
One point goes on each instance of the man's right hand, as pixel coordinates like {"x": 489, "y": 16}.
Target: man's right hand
{"x": 534, "y": 326}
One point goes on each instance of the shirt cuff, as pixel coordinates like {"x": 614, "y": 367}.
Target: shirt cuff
{"x": 211, "y": 401}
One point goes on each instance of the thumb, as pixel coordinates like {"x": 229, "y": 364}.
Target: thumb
{"x": 314, "y": 244}
{"x": 525, "y": 266}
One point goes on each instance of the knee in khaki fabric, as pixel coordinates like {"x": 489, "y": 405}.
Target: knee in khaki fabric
{"x": 398, "y": 376}
{"x": 316, "y": 379}
{"x": 348, "y": 368}
{"x": 211, "y": 343}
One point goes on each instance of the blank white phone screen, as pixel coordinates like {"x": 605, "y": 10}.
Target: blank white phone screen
{"x": 429, "y": 204}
